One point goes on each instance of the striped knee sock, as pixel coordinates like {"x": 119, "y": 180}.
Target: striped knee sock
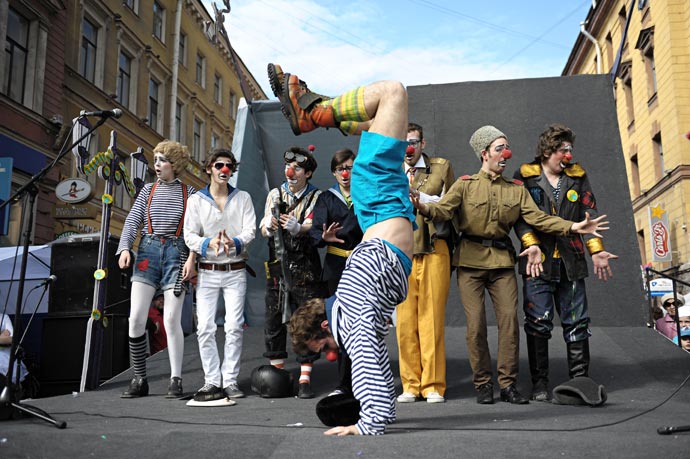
{"x": 305, "y": 373}
{"x": 137, "y": 353}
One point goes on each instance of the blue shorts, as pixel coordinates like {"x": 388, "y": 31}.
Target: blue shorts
{"x": 158, "y": 261}
{"x": 380, "y": 187}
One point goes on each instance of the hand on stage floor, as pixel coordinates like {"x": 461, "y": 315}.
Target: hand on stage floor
{"x": 342, "y": 431}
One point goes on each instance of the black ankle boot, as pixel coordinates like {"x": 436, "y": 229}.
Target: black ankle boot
{"x": 138, "y": 387}
{"x": 578, "y": 358}
{"x": 538, "y": 355}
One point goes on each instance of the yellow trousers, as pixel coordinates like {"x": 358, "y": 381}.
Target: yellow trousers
{"x": 420, "y": 324}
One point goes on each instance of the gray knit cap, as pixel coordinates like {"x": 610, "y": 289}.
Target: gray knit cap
{"x": 483, "y": 137}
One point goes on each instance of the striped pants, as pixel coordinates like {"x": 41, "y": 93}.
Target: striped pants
{"x": 373, "y": 284}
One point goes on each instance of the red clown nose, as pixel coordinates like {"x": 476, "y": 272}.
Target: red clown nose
{"x": 506, "y": 154}
{"x": 225, "y": 170}
{"x": 409, "y": 150}
{"x": 331, "y": 355}
{"x": 567, "y": 158}
{"x": 289, "y": 172}
{"x": 345, "y": 174}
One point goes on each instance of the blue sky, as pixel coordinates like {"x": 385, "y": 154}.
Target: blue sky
{"x": 337, "y": 45}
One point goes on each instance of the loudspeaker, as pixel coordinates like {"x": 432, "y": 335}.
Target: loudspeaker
{"x": 62, "y": 347}
{"x": 73, "y": 260}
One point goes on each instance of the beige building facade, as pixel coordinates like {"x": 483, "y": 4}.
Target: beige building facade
{"x": 645, "y": 46}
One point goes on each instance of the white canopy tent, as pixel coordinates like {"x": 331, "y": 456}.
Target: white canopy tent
{"x": 37, "y": 270}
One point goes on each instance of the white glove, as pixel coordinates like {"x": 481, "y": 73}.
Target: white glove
{"x": 292, "y": 225}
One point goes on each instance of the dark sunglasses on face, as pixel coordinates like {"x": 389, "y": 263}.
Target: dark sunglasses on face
{"x": 414, "y": 142}
{"x": 297, "y": 157}
{"x": 340, "y": 169}
{"x": 219, "y": 165}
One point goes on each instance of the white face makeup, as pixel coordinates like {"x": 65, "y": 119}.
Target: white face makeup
{"x": 163, "y": 167}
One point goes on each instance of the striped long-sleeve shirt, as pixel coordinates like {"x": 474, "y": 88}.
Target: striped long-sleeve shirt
{"x": 166, "y": 212}
{"x": 373, "y": 283}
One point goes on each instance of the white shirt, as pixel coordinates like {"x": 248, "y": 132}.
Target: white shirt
{"x": 204, "y": 220}
{"x": 5, "y": 351}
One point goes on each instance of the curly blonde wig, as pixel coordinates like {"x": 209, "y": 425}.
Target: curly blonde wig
{"x": 176, "y": 153}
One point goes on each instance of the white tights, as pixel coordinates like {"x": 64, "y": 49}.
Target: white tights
{"x": 142, "y": 295}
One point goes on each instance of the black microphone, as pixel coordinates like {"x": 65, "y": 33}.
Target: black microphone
{"x": 49, "y": 280}
{"x": 114, "y": 113}
{"x": 668, "y": 430}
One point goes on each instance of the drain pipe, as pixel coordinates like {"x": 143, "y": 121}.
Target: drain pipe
{"x": 175, "y": 70}
{"x": 597, "y": 48}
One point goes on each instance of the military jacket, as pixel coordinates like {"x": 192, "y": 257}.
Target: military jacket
{"x": 435, "y": 179}
{"x": 575, "y": 199}
{"x": 489, "y": 208}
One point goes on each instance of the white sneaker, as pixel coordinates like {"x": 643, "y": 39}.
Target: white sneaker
{"x": 407, "y": 397}
{"x": 434, "y": 397}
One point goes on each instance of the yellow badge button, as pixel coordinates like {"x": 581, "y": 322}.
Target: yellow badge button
{"x": 572, "y": 195}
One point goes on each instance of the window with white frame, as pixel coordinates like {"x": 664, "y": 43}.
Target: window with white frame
{"x": 154, "y": 88}
{"x": 124, "y": 78}
{"x": 200, "y": 69}
{"x": 158, "y": 21}
{"x": 217, "y": 89}
{"x": 16, "y": 51}
{"x": 198, "y": 140}
{"x": 215, "y": 140}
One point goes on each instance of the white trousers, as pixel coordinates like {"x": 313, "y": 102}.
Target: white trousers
{"x": 233, "y": 286}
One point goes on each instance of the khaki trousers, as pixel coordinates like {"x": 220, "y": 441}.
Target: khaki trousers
{"x": 420, "y": 324}
{"x": 502, "y": 287}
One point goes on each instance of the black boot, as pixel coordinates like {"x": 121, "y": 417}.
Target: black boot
{"x": 578, "y": 358}
{"x": 538, "y": 355}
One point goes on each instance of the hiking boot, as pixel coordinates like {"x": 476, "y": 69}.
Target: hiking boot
{"x": 138, "y": 387}
{"x": 174, "y": 388}
{"x": 233, "y": 391}
{"x": 305, "y": 390}
{"x": 208, "y": 393}
{"x": 486, "y": 394}
{"x": 299, "y": 105}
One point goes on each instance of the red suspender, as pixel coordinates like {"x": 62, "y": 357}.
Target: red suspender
{"x": 184, "y": 209}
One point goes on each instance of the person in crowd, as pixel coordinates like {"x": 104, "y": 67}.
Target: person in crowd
{"x": 162, "y": 263}
{"x": 376, "y": 274}
{"x": 293, "y": 270}
{"x": 559, "y": 187}
{"x": 155, "y": 325}
{"x": 420, "y": 319}
{"x": 219, "y": 225}
{"x": 666, "y": 325}
{"x": 335, "y": 226}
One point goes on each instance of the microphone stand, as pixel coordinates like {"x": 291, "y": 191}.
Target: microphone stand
{"x": 30, "y": 189}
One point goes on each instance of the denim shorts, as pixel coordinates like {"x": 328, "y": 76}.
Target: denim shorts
{"x": 158, "y": 261}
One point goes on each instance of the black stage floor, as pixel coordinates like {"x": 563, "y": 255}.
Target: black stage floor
{"x": 644, "y": 374}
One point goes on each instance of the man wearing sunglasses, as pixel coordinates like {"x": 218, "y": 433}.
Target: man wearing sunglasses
{"x": 420, "y": 324}
{"x": 219, "y": 225}
{"x": 489, "y": 206}
{"x": 559, "y": 187}
{"x": 375, "y": 278}
{"x": 293, "y": 270}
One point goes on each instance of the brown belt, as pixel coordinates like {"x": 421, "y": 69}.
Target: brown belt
{"x": 223, "y": 267}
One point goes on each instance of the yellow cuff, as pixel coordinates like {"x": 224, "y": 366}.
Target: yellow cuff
{"x": 595, "y": 245}
{"x": 529, "y": 239}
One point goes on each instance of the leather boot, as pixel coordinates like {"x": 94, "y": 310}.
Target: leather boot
{"x": 538, "y": 355}
{"x": 578, "y": 358}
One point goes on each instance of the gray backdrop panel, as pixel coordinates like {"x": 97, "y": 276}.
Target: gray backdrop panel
{"x": 450, "y": 113}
